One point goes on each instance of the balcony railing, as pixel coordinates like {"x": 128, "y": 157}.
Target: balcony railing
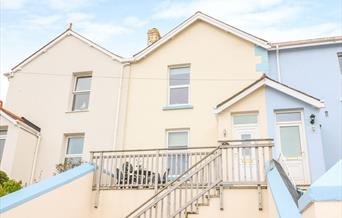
{"x": 243, "y": 163}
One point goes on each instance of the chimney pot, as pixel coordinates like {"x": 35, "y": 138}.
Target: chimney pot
{"x": 153, "y": 35}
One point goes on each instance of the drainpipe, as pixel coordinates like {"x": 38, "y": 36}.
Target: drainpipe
{"x": 278, "y": 63}
{"x": 116, "y": 127}
{"x": 34, "y": 164}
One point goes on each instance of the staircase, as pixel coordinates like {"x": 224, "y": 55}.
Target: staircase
{"x": 187, "y": 192}
{"x": 184, "y": 180}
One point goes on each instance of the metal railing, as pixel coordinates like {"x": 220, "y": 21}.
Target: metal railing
{"x": 244, "y": 161}
{"x": 143, "y": 168}
{"x": 187, "y": 192}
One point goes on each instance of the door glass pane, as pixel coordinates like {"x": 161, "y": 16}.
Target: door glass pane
{"x": 245, "y": 119}
{"x": 179, "y": 76}
{"x": 75, "y": 145}
{"x": 286, "y": 117}
{"x": 290, "y": 141}
{"x": 179, "y": 95}
{"x": 83, "y": 83}
{"x": 177, "y": 163}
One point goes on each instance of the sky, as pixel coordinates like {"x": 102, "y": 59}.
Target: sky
{"x": 121, "y": 26}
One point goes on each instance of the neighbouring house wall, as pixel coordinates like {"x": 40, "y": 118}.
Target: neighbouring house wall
{"x": 221, "y": 65}
{"x": 19, "y": 151}
{"x": 280, "y": 101}
{"x": 254, "y": 102}
{"x": 42, "y": 92}
{"x": 315, "y": 70}
{"x": 66, "y": 195}
{"x": 329, "y": 209}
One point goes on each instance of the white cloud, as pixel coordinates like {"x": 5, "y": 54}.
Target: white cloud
{"x": 67, "y": 5}
{"x": 134, "y": 21}
{"x": 38, "y": 21}
{"x": 12, "y": 4}
{"x": 268, "y": 19}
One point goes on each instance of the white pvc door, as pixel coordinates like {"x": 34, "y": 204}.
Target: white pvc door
{"x": 291, "y": 142}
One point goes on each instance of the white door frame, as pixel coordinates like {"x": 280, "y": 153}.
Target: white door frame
{"x": 303, "y": 141}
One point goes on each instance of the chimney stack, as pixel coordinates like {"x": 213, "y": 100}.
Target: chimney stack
{"x": 152, "y": 36}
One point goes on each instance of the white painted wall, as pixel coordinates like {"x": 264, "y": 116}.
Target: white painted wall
{"x": 41, "y": 92}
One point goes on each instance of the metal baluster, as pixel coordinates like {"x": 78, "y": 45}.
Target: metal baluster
{"x": 120, "y": 172}
{"x": 257, "y": 164}
{"x": 168, "y": 206}
{"x": 156, "y": 173}
{"x": 99, "y": 182}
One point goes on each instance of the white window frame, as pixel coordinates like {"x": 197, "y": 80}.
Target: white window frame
{"x": 3, "y": 137}
{"x": 178, "y": 86}
{"x": 299, "y": 123}
{"x": 74, "y": 92}
{"x": 242, "y": 126}
{"x": 67, "y": 137}
{"x": 176, "y": 131}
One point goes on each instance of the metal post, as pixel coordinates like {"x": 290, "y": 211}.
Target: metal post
{"x": 99, "y": 182}
{"x": 156, "y": 173}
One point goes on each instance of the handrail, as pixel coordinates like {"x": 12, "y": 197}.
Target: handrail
{"x": 171, "y": 183}
{"x": 152, "y": 149}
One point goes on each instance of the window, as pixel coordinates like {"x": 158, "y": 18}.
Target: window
{"x": 245, "y": 119}
{"x": 81, "y": 93}
{"x": 179, "y": 85}
{"x": 339, "y": 55}
{"x": 74, "y": 150}
{"x": 288, "y": 117}
{"x": 177, "y": 163}
{"x": 3, "y": 134}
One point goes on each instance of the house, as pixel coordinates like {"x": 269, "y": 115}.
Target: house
{"x": 194, "y": 118}
{"x": 309, "y": 65}
{"x": 19, "y": 141}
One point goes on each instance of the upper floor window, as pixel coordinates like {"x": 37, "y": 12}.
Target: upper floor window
{"x": 81, "y": 93}
{"x": 179, "y": 85}
{"x": 74, "y": 150}
{"x": 3, "y": 134}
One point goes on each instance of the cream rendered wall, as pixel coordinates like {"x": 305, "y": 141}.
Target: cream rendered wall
{"x": 221, "y": 64}
{"x": 72, "y": 200}
{"x": 19, "y": 150}
{"x": 41, "y": 92}
{"x": 119, "y": 203}
{"x": 326, "y": 209}
{"x": 253, "y": 103}
{"x": 238, "y": 203}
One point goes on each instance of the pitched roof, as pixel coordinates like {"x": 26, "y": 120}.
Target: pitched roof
{"x": 306, "y": 42}
{"x": 66, "y": 33}
{"x": 208, "y": 19}
{"x": 266, "y": 81}
{"x": 15, "y": 117}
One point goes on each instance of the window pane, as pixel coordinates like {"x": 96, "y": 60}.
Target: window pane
{"x": 285, "y": 117}
{"x": 290, "y": 141}
{"x": 245, "y": 119}
{"x": 83, "y": 83}
{"x": 2, "y": 147}
{"x": 3, "y": 132}
{"x": 81, "y": 101}
{"x": 178, "y": 139}
{"x": 179, "y": 95}
{"x": 75, "y": 145}
{"x": 179, "y": 76}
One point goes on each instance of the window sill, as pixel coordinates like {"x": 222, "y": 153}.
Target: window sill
{"x": 177, "y": 107}
{"x": 80, "y": 111}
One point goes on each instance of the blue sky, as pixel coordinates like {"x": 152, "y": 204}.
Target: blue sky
{"x": 121, "y": 26}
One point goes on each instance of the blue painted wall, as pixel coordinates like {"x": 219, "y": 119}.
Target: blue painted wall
{"x": 276, "y": 100}
{"x": 263, "y": 54}
{"x": 315, "y": 70}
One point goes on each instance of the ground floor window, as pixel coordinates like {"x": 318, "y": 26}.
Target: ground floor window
{"x": 74, "y": 150}
{"x": 3, "y": 134}
{"x": 177, "y": 161}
